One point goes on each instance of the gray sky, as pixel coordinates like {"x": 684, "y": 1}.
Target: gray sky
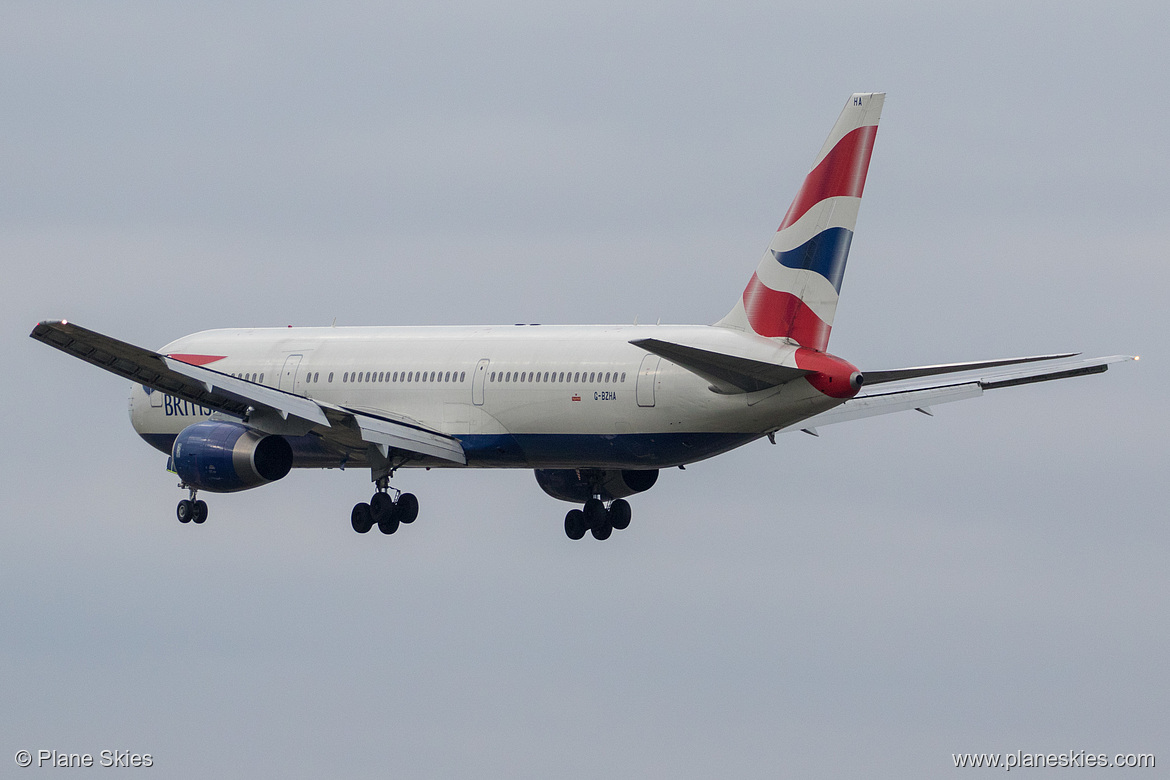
{"x": 864, "y": 603}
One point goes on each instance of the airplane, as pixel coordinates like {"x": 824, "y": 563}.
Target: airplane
{"x": 596, "y": 411}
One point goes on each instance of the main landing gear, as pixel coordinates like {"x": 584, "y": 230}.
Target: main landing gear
{"x": 191, "y": 510}
{"x": 597, "y": 519}
{"x": 384, "y": 511}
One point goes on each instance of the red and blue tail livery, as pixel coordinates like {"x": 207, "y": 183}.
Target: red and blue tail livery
{"x": 596, "y": 411}
{"x": 793, "y": 293}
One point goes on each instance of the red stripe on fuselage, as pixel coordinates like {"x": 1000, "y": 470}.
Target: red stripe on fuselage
{"x": 842, "y": 172}
{"x": 774, "y": 313}
{"x": 196, "y": 360}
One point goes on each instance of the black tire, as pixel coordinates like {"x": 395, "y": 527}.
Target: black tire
{"x": 389, "y": 525}
{"x": 594, "y": 512}
{"x": 199, "y": 512}
{"x": 361, "y": 519}
{"x": 597, "y": 519}
{"x": 407, "y": 507}
{"x": 602, "y": 530}
{"x": 620, "y": 514}
{"x": 381, "y": 507}
{"x": 575, "y": 525}
{"x": 183, "y": 511}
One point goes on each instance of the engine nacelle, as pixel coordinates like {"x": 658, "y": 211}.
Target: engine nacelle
{"x": 579, "y": 485}
{"x": 223, "y": 457}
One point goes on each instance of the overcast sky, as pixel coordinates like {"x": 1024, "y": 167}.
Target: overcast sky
{"x": 865, "y": 603}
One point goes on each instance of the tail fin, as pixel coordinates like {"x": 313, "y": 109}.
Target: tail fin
{"x": 793, "y": 293}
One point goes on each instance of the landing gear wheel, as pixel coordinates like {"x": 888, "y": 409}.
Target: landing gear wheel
{"x": 361, "y": 519}
{"x": 597, "y": 518}
{"x": 389, "y": 524}
{"x": 602, "y": 530}
{"x": 407, "y": 508}
{"x": 381, "y": 507}
{"x": 184, "y": 511}
{"x": 619, "y": 514}
{"x": 575, "y": 525}
{"x": 198, "y": 511}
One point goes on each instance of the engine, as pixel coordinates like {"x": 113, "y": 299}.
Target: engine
{"x": 223, "y": 457}
{"x": 579, "y": 485}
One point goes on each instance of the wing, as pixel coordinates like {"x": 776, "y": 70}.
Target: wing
{"x": 269, "y": 409}
{"x": 907, "y": 391}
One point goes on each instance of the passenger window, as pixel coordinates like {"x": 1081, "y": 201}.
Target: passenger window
{"x": 623, "y": 376}
{"x": 493, "y": 376}
{"x": 448, "y": 379}
{"x": 330, "y": 377}
{"x": 591, "y": 375}
{"x": 607, "y": 376}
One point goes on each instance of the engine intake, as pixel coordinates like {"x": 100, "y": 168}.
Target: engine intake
{"x": 579, "y": 485}
{"x": 223, "y": 457}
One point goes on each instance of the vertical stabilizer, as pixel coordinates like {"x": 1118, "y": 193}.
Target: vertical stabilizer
{"x": 793, "y": 293}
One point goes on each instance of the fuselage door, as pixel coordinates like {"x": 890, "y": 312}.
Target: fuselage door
{"x": 647, "y": 378}
{"x": 288, "y": 375}
{"x": 479, "y": 381}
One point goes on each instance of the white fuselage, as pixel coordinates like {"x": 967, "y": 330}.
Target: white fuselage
{"x": 529, "y": 396}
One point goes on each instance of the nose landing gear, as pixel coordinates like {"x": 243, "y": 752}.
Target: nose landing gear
{"x": 597, "y": 519}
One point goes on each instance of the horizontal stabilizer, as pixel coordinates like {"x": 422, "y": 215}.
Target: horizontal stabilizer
{"x": 900, "y": 374}
{"x": 916, "y": 395}
{"x": 726, "y": 373}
